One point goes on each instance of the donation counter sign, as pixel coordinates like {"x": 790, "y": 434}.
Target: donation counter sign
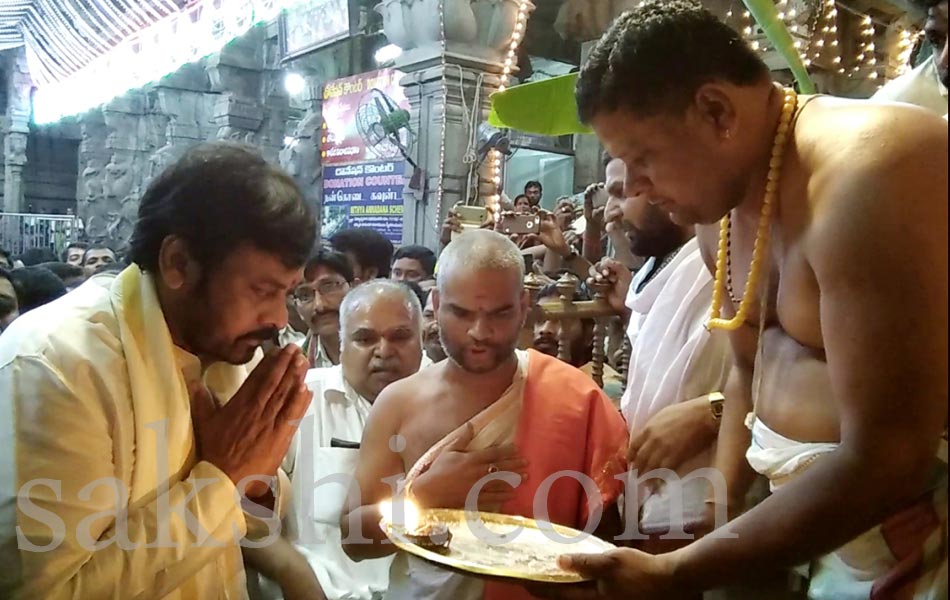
{"x": 367, "y": 195}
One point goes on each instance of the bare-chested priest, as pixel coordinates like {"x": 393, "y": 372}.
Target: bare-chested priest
{"x": 838, "y": 209}
{"x": 488, "y": 408}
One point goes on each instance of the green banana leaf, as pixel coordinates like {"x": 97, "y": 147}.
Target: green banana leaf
{"x": 766, "y": 15}
{"x": 545, "y": 107}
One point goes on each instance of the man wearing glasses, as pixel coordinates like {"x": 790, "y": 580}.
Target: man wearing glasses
{"x": 327, "y": 278}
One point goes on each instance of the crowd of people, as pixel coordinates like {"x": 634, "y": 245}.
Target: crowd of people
{"x": 38, "y": 276}
{"x": 223, "y": 411}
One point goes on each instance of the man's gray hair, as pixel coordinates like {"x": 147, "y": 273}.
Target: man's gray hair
{"x": 480, "y": 249}
{"x": 370, "y": 291}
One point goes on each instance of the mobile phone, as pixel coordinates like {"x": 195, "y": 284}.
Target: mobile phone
{"x": 519, "y": 224}
{"x": 470, "y": 217}
{"x": 600, "y": 198}
{"x": 474, "y": 215}
{"x": 528, "y": 264}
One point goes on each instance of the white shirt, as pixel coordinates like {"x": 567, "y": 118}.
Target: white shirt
{"x": 673, "y": 359}
{"x": 920, "y": 87}
{"x": 336, "y": 417}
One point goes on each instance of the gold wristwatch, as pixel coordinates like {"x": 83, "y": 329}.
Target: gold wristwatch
{"x": 716, "y": 401}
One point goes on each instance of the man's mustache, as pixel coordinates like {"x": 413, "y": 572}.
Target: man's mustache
{"x": 261, "y": 335}
{"x": 388, "y": 366}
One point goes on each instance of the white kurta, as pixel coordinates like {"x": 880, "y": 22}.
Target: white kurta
{"x": 920, "y": 87}
{"x": 336, "y": 418}
{"x": 673, "y": 359}
{"x": 68, "y": 417}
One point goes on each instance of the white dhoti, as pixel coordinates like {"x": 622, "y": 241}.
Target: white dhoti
{"x": 903, "y": 557}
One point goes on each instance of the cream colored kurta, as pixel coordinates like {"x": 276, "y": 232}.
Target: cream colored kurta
{"x": 80, "y": 408}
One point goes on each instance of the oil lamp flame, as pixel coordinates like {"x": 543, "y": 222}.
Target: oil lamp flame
{"x": 402, "y": 512}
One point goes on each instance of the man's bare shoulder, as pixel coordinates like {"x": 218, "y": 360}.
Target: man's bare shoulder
{"x": 404, "y": 393}
{"x": 849, "y": 140}
{"x": 860, "y": 152}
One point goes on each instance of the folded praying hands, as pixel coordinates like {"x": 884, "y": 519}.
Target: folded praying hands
{"x": 248, "y": 436}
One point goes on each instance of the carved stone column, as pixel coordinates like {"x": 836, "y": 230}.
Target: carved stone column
{"x": 93, "y": 157}
{"x": 437, "y": 113}
{"x": 183, "y": 103}
{"x": 301, "y": 159}
{"x": 443, "y": 67}
{"x": 14, "y": 148}
{"x": 17, "y": 125}
{"x": 236, "y": 72}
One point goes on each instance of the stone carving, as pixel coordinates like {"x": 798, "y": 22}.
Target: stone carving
{"x": 93, "y": 136}
{"x": 416, "y": 23}
{"x": 15, "y": 159}
{"x": 301, "y": 159}
{"x": 119, "y": 178}
{"x": 397, "y": 22}
{"x": 93, "y": 157}
{"x": 91, "y": 183}
{"x": 496, "y": 20}
{"x": 583, "y": 20}
{"x": 122, "y": 222}
{"x": 15, "y": 148}
{"x": 162, "y": 159}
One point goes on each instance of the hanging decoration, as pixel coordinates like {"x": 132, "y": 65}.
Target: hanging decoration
{"x": 767, "y": 16}
{"x": 440, "y": 186}
{"x": 141, "y": 48}
{"x": 511, "y": 59}
{"x": 824, "y": 47}
{"x": 906, "y": 43}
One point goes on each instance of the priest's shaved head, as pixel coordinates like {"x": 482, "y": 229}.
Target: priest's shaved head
{"x": 480, "y": 301}
{"x": 480, "y": 249}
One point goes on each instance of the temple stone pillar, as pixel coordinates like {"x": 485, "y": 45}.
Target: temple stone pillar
{"x": 237, "y": 74}
{"x": 446, "y": 58}
{"x": 183, "y": 103}
{"x": 300, "y": 157}
{"x": 17, "y": 128}
{"x": 93, "y": 157}
{"x": 14, "y": 148}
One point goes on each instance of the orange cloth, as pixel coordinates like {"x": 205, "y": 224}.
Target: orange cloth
{"x": 567, "y": 424}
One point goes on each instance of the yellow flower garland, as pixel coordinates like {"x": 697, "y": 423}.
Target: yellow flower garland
{"x": 760, "y": 247}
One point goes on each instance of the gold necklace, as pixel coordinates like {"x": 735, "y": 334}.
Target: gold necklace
{"x": 760, "y": 247}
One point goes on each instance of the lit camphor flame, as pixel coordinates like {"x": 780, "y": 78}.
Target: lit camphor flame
{"x": 403, "y": 513}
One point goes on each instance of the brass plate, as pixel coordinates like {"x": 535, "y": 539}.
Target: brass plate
{"x": 530, "y": 556}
